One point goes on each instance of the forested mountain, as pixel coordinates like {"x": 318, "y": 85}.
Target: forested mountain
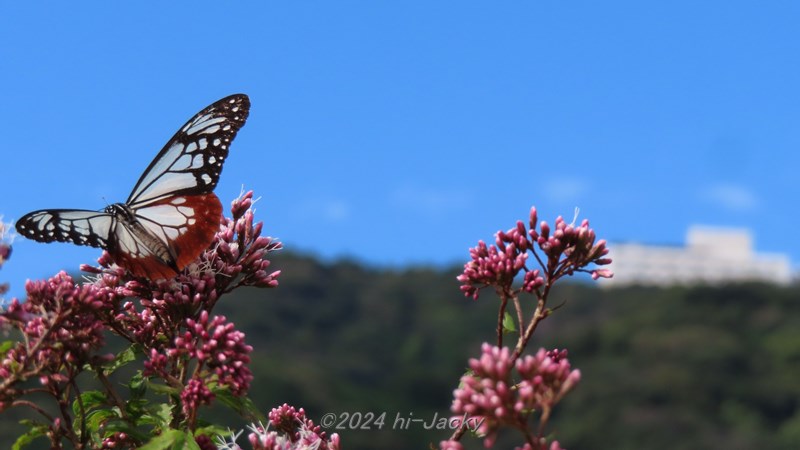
{"x": 678, "y": 368}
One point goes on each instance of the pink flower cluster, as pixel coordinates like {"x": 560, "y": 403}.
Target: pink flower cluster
{"x": 542, "y": 445}
{"x": 567, "y": 249}
{"x": 241, "y": 253}
{"x": 178, "y": 309}
{"x": 205, "y": 442}
{"x": 62, "y": 322}
{"x": 218, "y": 346}
{"x": 451, "y": 445}
{"x": 60, "y": 328}
{"x": 490, "y": 393}
{"x": 546, "y": 378}
{"x": 117, "y": 440}
{"x": 194, "y": 394}
{"x": 291, "y": 430}
{"x": 236, "y": 257}
{"x": 5, "y": 253}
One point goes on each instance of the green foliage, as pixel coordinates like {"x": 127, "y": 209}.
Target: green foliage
{"x": 34, "y": 430}
{"x": 171, "y": 439}
{"x": 508, "y": 324}
{"x": 242, "y": 405}
{"x": 141, "y": 418}
{"x": 675, "y": 368}
{"x": 5, "y": 346}
{"x": 122, "y": 359}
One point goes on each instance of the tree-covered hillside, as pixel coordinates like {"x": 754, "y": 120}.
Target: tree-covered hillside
{"x": 679, "y": 368}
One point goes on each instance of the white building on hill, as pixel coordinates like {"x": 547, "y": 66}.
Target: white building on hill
{"x": 711, "y": 255}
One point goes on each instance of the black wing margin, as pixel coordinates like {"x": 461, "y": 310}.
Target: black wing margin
{"x": 191, "y": 162}
{"x": 78, "y": 226}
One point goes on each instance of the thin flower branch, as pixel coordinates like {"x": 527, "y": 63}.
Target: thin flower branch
{"x": 505, "y": 387}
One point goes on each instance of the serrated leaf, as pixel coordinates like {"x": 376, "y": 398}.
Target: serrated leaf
{"x": 508, "y": 323}
{"x": 242, "y": 405}
{"x": 30, "y": 423}
{"x": 124, "y": 357}
{"x": 137, "y": 407}
{"x": 137, "y": 386}
{"x": 159, "y": 415}
{"x": 213, "y": 431}
{"x": 190, "y": 443}
{"x": 111, "y": 427}
{"x": 91, "y": 400}
{"x": 167, "y": 440}
{"x": 163, "y": 389}
{"x": 117, "y": 424}
{"x": 96, "y": 419}
{"x": 36, "y": 430}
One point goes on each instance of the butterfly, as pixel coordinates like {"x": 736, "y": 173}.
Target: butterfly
{"x": 172, "y": 213}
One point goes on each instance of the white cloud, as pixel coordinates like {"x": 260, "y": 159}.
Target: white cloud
{"x": 327, "y": 210}
{"x": 730, "y": 196}
{"x": 336, "y": 211}
{"x": 430, "y": 201}
{"x": 565, "y": 189}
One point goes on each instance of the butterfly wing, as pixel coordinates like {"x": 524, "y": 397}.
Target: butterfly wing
{"x": 172, "y": 214}
{"x": 80, "y": 227}
{"x": 191, "y": 162}
{"x": 173, "y": 199}
{"x": 182, "y": 226}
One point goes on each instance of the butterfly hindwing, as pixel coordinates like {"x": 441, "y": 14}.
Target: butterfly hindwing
{"x": 139, "y": 253}
{"x": 191, "y": 162}
{"x": 80, "y": 227}
{"x": 187, "y": 223}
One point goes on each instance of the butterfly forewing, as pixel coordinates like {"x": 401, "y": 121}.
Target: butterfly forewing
{"x": 172, "y": 214}
{"x": 191, "y": 162}
{"x": 80, "y": 227}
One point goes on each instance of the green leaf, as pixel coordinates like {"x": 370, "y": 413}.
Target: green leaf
{"x": 124, "y": 357}
{"x": 158, "y": 414}
{"x": 164, "y": 441}
{"x": 5, "y": 346}
{"x": 508, "y": 324}
{"x": 136, "y": 407}
{"x": 91, "y": 400}
{"x": 242, "y": 405}
{"x": 137, "y": 385}
{"x": 190, "y": 443}
{"x": 213, "y": 431}
{"x": 171, "y": 439}
{"x": 116, "y": 424}
{"x": 163, "y": 389}
{"x": 96, "y": 419}
{"x": 36, "y": 430}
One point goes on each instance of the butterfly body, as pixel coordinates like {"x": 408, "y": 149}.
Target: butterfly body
{"x": 172, "y": 214}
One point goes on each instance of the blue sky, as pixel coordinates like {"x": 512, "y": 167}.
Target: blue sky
{"x": 403, "y": 132}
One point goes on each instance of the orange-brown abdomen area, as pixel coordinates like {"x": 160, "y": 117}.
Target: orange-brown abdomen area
{"x": 168, "y": 235}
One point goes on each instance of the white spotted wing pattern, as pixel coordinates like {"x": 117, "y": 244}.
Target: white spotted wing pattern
{"x": 172, "y": 213}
